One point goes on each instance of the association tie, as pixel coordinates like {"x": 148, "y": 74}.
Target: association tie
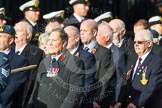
{"x": 86, "y": 48}
{"x": 139, "y": 64}
{"x": 137, "y": 69}
{"x": 18, "y": 52}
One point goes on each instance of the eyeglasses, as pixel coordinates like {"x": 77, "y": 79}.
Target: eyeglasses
{"x": 139, "y": 42}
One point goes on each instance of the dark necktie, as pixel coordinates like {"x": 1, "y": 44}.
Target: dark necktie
{"x": 53, "y": 60}
{"x": 139, "y": 65}
{"x": 137, "y": 69}
{"x": 18, "y": 52}
{"x": 86, "y": 48}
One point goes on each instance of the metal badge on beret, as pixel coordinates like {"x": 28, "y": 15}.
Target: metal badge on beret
{"x": 1, "y": 29}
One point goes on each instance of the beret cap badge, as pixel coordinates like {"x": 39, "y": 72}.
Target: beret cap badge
{"x": 3, "y": 12}
{"x": 62, "y": 15}
{"x": 1, "y": 29}
{"x": 161, "y": 19}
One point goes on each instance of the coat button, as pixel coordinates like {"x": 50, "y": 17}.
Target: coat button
{"x": 38, "y": 98}
{"x": 129, "y": 96}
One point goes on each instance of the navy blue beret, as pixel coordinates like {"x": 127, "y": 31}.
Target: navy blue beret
{"x": 7, "y": 29}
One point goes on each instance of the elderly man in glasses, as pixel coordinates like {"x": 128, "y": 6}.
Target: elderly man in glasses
{"x": 143, "y": 79}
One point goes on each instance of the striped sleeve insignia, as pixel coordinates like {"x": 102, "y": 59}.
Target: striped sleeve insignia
{"x": 5, "y": 72}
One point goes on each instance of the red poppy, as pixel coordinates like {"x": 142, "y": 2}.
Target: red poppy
{"x": 62, "y": 57}
{"x": 94, "y": 50}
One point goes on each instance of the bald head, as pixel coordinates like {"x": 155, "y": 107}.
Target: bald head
{"x": 117, "y": 24}
{"x": 105, "y": 29}
{"x": 72, "y": 31}
{"x": 88, "y": 31}
{"x": 91, "y": 23}
{"x": 118, "y": 27}
{"x": 52, "y": 25}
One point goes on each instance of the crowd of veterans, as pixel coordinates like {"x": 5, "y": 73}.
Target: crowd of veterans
{"x": 79, "y": 62}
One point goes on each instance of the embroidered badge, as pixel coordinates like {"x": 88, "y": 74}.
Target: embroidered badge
{"x": 144, "y": 80}
{"x": 129, "y": 73}
{"x": 5, "y": 72}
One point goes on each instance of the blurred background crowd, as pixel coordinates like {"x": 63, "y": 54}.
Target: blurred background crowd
{"x": 127, "y": 10}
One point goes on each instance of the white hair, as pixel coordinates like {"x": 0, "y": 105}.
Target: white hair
{"x": 108, "y": 31}
{"x": 146, "y": 34}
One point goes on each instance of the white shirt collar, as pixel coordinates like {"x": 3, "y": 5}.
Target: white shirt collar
{"x": 121, "y": 42}
{"x": 21, "y": 49}
{"x": 57, "y": 57}
{"x": 7, "y": 52}
{"x": 32, "y": 22}
{"x": 144, "y": 56}
{"x": 74, "y": 50}
{"x": 90, "y": 46}
{"x": 109, "y": 46}
{"x": 160, "y": 37}
{"x": 78, "y": 17}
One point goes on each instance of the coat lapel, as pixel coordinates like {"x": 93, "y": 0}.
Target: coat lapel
{"x": 25, "y": 50}
{"x": 78, "y": 50}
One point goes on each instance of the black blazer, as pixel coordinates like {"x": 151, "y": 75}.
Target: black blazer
{"x": 119, "y": 61}
{"x": 105, "y": 74}
{"x": 34, "y": 56}
{"x": 13, "y": 94}
{"x": 89, "y": 63}
{"x": 55, "y": 91}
